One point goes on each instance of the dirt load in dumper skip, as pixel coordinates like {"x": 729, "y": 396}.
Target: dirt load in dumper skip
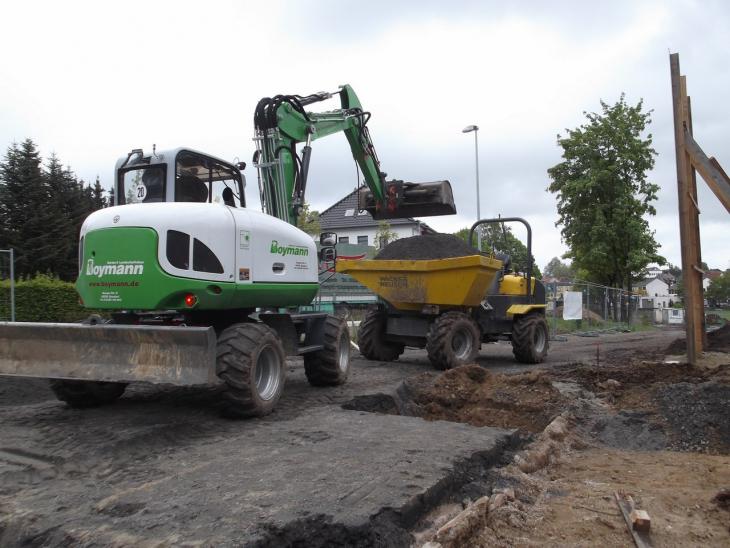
{"x": 428, "y": 246}
{"x": 435, "y": 303}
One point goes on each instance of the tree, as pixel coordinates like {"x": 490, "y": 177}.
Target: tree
{"x": 97, "y": 196}
{"x": 308, "y": 221}
{"x": 500, "y": 240}
{"x": 28, "y": 213}
{"x": 719, "y": 290}
{"x": 603, "y": 194}
{"x": 384, "y": 235}
{"x": 558, "y": 269}
{"x": 41, "y": 212}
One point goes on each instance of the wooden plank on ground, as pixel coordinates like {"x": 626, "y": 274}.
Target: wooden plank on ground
{"x": 626, "y": 505}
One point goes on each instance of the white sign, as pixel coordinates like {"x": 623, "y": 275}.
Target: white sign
{"x": 573, "y": 305}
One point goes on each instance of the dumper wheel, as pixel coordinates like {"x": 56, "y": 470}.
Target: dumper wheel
{"x": 453, "y": 340}
{"x": 331, "y": 365}
{"x": 530, "y": 338}
{"x": 87, "y": 393}
{"x": 250, "y": 361}
{"x": 371, "y": 338}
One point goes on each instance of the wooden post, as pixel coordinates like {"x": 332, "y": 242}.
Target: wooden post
{"x": 688, "y": 217}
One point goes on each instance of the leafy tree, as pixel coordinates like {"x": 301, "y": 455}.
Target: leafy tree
{"x": 558, "y": 269}
{"x": 719, "y": 290}
{"x": 603, "y": 194}
{"x": 308, "y": 220}
{"x": 500, "y": 240}
{"x": 384, "y": 235}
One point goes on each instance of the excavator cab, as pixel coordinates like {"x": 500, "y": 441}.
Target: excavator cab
{"x": 178, "y": 175}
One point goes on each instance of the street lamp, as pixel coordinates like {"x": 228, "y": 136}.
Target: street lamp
{"x": 475, "y": 129}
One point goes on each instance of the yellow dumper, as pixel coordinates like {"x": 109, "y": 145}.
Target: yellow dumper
{"x": 450, "y": 306}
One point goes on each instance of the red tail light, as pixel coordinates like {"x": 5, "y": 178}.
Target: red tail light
{"x": 190, "y": 300}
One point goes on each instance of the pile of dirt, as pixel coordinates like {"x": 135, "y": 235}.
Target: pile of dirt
{"x": 472, "y": 395}
{"x": 427, "y": 246}
{"x": 717, "y": 341}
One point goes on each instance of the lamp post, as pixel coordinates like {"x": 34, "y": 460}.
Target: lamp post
{"x": 475, "y": 129}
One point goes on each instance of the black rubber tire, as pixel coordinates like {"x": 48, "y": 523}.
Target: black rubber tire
{"x": 530, "y": 338}
{"x": 240, "y": 348}
{"x": 371, "y": 338}
{"x": 446, "y": 331}
{"x": 331, "y": 365}
{"x": 82, "y": 394}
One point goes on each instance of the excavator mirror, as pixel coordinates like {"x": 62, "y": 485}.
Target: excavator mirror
{"x": 328, "y": 254}
{"x": 327, "y": 239}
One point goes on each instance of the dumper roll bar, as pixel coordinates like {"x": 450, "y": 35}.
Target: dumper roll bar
{"x": 528, "y": 290}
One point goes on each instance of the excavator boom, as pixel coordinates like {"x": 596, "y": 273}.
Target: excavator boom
{"x": 281, "y": 123}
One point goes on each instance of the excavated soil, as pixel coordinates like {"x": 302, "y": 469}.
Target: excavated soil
{"x": 629, "y": 423}
{"x": 718, "y": 341}
{"x": 472, "y": 395}
{"x": 428, "y": 246}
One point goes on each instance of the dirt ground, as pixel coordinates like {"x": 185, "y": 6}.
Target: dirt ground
{"x": 358, "y": 466}
{"x": 657, "y": 431}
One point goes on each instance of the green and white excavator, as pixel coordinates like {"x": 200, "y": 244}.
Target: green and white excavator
{"x": 199, "y": 288}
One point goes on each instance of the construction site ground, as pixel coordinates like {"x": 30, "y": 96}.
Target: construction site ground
{"x": 492, "y": 454}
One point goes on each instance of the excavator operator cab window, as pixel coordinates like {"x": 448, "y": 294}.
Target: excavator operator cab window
{"x": 142, "y": 185}
{"x": 199, "y": 178}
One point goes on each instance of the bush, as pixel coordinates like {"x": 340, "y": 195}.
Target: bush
{"x": 42, "y": 299}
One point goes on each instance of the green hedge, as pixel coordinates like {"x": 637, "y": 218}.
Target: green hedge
{"x": 42, "y": 299}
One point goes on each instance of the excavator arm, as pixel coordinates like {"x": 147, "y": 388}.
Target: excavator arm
{"x": 282, "y": 122}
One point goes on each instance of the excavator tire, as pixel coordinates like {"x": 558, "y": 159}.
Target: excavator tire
{"x": 371, "y": 338}
{"x": 331, "y": 365}
{"x": 530, "y": 338}
{"x": 453, "y": 340}
{"x": 250, "y": 361}
{"x": 82, "y": 394}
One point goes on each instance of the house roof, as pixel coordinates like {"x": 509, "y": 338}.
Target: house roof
{"x": 647, "y": 281}
{"x": 346, "y": 214}
{"x": 713, "y": 273}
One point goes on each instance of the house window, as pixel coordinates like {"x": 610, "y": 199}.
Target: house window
{"x": 362, "y": 240}
{"x": 344, "y": 239}
{"x": 349, "y": 212}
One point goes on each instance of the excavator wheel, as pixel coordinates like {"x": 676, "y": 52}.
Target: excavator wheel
{"x": 82, "y": 394}
{"x": 453, "y": 340}
{"x": 530, "y": 338}
{"x": 331, "y": 365}
{"x": 250, "y": 361}
{"x": 371, "y": 338}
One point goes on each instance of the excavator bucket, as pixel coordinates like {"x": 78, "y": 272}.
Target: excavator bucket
{"x": 117, "y": 353}
{"x": 410, "y": 200}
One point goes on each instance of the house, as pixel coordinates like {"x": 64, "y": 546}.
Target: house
{"x": 655, "y": 294}
{"x": 709, "y": 276}
{"x": 355, "y": 226}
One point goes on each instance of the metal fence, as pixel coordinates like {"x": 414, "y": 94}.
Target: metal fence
{"x": 601, "y": 308}
{"x": 7, "y": 285}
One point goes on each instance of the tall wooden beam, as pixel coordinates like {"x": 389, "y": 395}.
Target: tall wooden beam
{"x": 688, "y": 217}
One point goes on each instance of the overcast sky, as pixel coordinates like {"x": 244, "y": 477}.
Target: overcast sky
{"x": 92, "y": 80}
